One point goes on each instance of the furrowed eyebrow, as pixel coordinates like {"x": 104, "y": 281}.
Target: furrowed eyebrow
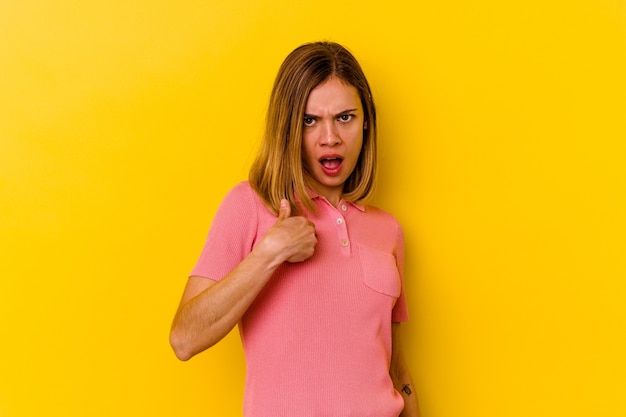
{"x": 313, "y": 116}
{"x": 346, "y": 111}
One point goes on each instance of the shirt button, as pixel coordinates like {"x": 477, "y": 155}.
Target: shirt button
{"x": 343, "y": 207}
{"x": 339, "y": 221}
{"x": 344, "y": 242}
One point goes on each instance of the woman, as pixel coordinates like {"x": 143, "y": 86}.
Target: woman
{"x": 312, "y": 276}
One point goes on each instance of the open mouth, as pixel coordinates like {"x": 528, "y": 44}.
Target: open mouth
{"x": 331, "y": 165}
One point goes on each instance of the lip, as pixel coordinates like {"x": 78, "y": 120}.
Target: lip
{"x": 335, "y": 169}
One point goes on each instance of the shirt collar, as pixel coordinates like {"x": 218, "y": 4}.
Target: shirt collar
{"x": 315, "y": 196}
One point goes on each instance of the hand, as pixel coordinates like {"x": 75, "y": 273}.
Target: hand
{"x": 292, "y": 238}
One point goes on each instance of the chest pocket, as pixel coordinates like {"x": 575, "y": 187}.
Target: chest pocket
{"x": 380, "y": 272}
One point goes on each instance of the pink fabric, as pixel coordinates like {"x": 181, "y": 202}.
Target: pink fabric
{"x": 318, "y": 337}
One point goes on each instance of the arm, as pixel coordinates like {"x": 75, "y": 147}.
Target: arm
{"x": 210, "y": 309}
{"x": 401, "y": 376}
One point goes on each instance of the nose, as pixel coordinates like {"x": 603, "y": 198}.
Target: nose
{"x": 330, "y": 135}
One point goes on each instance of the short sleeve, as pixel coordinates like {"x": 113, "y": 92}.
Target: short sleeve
{"x": 400, "y": 311}
{"x": 231, "y": 236}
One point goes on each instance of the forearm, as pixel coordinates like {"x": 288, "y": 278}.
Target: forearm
{"x": 404, "y": 385}
{"x": 401, "y": 376}
{"x": 210, "y": 315}
{"x": 209, "y": 310}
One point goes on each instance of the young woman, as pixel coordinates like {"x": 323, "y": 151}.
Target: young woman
{"x": 312, "y": 276}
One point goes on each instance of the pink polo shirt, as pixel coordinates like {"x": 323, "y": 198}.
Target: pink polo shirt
{"x": 317, "y": 339}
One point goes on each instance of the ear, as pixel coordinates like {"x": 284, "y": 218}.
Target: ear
{"x": 365, "y": 125}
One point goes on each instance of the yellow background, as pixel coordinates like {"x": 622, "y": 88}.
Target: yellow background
{"x": 122, "y": 125}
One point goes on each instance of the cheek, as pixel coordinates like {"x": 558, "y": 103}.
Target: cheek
{"x": 357, "y": 149}
{"x": 357, "y": 141}
{"x": 352, "y": 134}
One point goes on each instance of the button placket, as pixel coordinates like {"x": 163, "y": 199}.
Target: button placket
{"x": 342, "y": 230}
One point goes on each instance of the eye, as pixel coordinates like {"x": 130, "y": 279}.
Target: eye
{"x": 345, "y": 117}
{"x": 309, "y": 121}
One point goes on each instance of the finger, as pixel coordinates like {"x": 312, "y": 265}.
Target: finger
{"x": 285, "y": 210}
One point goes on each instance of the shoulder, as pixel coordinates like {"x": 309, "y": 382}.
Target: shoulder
{"x": 242, "y": 195}
{"x": 382, "y": 216}
{"x": 383, "y": 220}
{"x": 380, "y": 222}
{"x": 242, "y": 189}
{"x": 239, "y": 201}
{"x": 379, "y": 230}
{"x": 243, "y": 200}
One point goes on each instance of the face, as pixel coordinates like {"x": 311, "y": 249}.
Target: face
{"x": 332, "y": 138}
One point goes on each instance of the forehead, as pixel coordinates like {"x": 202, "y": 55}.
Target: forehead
{"x": 333, "y": 94}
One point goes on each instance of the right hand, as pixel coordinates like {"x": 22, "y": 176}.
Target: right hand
{"x": 293, "y": 238}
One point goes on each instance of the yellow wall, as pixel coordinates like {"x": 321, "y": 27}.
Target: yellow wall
{"x": 122, "y": 125}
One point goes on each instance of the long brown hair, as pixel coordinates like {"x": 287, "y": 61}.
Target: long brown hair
{"x": 277, "y": 172}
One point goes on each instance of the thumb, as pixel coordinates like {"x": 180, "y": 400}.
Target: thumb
{"x": 285, "y": 210}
